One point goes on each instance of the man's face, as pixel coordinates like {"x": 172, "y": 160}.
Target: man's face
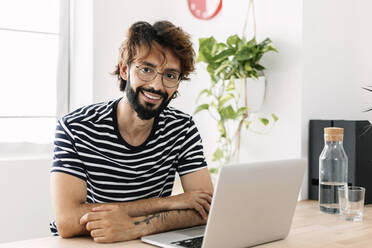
{"x": 149, "y": 98}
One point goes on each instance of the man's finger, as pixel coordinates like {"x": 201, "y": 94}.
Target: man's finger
{"x": 92, "y": 225}
{"x": 201, "y": 211}
{"x": 208, "y": 193}
{"x": 97, "y": 233}
{"x": 101, "y": 240}
{"x": 205, "y": 204}
{"x": 91, "y": 216}
{"x": 207, "y": 197}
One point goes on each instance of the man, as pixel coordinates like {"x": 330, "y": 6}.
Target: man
{"x": 115, "y": 162}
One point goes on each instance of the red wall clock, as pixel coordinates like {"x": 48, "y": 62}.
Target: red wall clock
{"x": 204, "y": 9}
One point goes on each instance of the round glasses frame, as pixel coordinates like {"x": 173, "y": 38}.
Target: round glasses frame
{"x": 169, "y": 84}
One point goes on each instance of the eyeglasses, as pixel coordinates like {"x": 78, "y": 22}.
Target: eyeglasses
{"x": 169, "y": 78}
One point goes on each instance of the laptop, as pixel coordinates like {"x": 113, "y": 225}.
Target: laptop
{"x": 252, "y": 204}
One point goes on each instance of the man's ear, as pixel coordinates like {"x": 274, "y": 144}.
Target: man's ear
{"x": 123, "y": 70}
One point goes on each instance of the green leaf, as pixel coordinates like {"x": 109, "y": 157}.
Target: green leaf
{"x": 205, "y": 91}
{"x": 204, "y": 57}
{"x": 228, "y": 73}
{"x": 259, "y": 67}
{"x": 254, "y": 74}
{"x": 217, "y": 155}
{"x": 222, "y": 129}
{"x": 257, "y": 57}
{"x": 207, "y": 47}
{"x": 233, "y": 41}
{"x": 211, "y": 68}
{"x": 271, "y": 48}
{"x": 275, "y": 117}
{"x": 252, "y": 42}
{"x": 223, "y": 66}
{"x": 231, "y": 84}
{"x": 207, "y": 44}
{"x": 265, "y": 42}
{"x": 241, "y": 111}
{"x": 226, "y": 98}
{"x": 213, "y": 170}
{"x": 221, "y": 46}
{"x": 201, "y": 58}
{"x": 247, "y": 66}
{"x": 247, "y": 124}
{"x": 244, "y": 54}
{"x": 201, "y": 107}
{"x": 224, "y": 55}
{"x": 228, "y": 113}
{"x": 264, "y": 121}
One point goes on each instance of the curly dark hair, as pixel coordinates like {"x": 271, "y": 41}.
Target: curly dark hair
{"x": 165, "y": 34}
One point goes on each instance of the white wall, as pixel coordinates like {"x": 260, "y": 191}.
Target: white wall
{"x": 25, "y": 206}
{"x": 337, "y": 52}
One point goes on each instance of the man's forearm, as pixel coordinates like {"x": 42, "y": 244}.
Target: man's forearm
{"x": 168, "y": 220}
{"x": 72, "y": 227}
{"x": 146, "y": 206}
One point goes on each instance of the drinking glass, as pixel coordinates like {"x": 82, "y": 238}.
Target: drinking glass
{"x": 351, "y": 202}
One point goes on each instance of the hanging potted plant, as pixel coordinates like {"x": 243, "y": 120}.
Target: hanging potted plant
{"x": 230, "y": 66}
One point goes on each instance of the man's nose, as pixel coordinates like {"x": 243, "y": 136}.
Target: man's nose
{"x": 157, "y": 82}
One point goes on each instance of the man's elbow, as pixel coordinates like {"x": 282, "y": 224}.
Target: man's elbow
{"x": 67, "y": 227}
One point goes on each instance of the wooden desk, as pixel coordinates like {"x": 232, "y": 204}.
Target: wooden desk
{"x": 310, "y": 229}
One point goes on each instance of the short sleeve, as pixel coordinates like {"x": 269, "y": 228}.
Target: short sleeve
{"x": 65, "y": 156}
{"x": 191, "y": 156}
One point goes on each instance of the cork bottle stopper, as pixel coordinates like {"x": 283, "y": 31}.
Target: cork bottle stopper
{"x": 333, "y": 133}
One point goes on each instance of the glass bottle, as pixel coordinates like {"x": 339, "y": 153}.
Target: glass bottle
{"x": 333, "y": 166}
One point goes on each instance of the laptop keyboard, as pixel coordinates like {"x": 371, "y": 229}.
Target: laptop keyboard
{"x": 190, "y": 243}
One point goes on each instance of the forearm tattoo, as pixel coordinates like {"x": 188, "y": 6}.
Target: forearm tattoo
{"x": 147, "y": 219}
{"x": 163, "y": 217}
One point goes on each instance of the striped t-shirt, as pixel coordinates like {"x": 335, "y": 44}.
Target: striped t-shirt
{"x": 88, "y": 145}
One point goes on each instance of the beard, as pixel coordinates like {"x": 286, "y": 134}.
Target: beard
{"x": 146, "y": 111}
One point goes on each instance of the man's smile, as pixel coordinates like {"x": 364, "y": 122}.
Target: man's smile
{"x": 151, "y": 97}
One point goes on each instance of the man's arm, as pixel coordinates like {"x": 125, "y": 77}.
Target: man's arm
{"x": 193, "y": 183}
{"x": 108, "y": 223}
{"x": 69, "y": 197}
{"x": 169, "y": 220}
{"x": 197, "y": 181}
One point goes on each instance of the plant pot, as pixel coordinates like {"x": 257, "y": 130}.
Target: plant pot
{"x": 255, "y": 93}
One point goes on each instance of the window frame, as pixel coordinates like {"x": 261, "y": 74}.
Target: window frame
{"x": 63, "y": 73}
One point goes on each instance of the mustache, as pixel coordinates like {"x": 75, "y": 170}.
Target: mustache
{"x": 152, "y": 90}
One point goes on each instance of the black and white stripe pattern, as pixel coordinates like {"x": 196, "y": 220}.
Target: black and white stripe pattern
{"x": 89, "y": 146}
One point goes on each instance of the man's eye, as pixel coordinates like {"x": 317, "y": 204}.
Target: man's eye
{"x": 171, "y": 75}
{"x": 147, "y": 70}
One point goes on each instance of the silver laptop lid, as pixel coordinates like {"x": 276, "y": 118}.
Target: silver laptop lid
{"x": 254, "y": 203}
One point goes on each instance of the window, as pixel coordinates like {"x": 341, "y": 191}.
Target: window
{"x": 34, "y": 75}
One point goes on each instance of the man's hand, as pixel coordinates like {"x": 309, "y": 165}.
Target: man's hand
{"x": 198, "y": 200}
{"x": 110, "y": 223}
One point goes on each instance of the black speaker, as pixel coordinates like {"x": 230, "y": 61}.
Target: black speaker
{"x": 358, "y": 147}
